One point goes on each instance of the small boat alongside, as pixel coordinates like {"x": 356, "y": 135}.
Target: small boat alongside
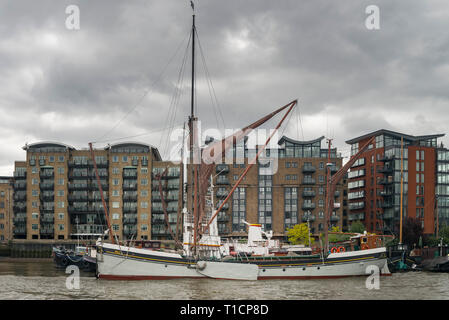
{"x": 83, "y": 257}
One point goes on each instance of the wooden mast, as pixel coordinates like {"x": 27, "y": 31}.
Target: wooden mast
{"x": 193, "y": 139}
{"x": 105, "y": 207}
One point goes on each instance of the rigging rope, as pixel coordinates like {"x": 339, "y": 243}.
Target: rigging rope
{"x": 158, "y": 79}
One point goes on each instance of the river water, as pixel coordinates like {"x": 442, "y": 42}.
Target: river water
{"x": 43, "y": 280}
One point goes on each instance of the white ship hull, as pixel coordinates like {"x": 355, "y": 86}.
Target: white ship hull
{"x": 125, "y": 263}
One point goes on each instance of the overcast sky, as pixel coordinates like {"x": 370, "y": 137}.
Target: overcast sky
{"x": 77, "y": 86}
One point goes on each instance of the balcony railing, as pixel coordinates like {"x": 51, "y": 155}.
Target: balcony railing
{"x": 222, "y": 180}
{"x": 308, "y": 181}
{"x": 308, "y": 205}
{"x": 309, "y": 217}
{"x": 222, "y": 168}
{"x": 308, "y": 193}
{"x": 308, "y": 169}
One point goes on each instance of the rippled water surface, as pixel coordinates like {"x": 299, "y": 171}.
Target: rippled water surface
{"x": 43, "y": 280}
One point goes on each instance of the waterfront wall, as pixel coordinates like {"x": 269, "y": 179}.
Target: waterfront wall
{"x": 36, "y": 248}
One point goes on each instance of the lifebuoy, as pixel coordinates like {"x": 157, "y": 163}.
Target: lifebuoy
{"x": 334, "y": 250}
{"x": 341, "y": 249}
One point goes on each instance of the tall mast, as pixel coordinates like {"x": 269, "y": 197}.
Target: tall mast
{"x": 328, "y": 197}
{"x": 192, "y": 129}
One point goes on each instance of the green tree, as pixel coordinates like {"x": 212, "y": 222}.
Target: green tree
{"x": 299, "y": 234}
{"x": 444, "y": 233}
{"x": 357, "y": 227}
{"x": 337, "y": 237}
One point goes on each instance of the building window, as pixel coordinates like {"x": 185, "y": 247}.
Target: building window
{"x": 115, "y": 227}
{"x": 61, "y": 215}
{"x": 144, "y": 204}
{"x": 144, "y": 216}
{"x": 115, "y": 216}
{"x": 60, "y": 204}
{"x": 290, "y": 207}
{"x": 144, "y": 182}
{"x": 61, "y": 158}
{"x": 114, "y": 158}
{"x": 115, "y": 182}
{"x": 34, "y": 215}
{"x": 51, "y": 158}
{"x": 115, "y": 170}
{"x": 61, "y": 227}
{"x": 116, "y": 204}
{"x": 34, "y": 227}
{"x": 144, "y": 227}
{"x": 144, "y": 193}
{"x": 60, "y": 170}
{"x": 125, "y": 159}
{"x": 115, "y": 193}
{"x": 60, "y": 182}
{"x": 238, "y": 209}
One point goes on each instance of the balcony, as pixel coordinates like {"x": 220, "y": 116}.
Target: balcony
{"x": 308, "y": 193}
{"x": 130, "y": 197}
{"x": 129, "y": 209}
{"x": 47, "y": 174}
{"x": 386, "y": 193}
{"x": 47, "y": 219}
{"x": 308, "y": 181}
{"x": 129, "y": 186}
{"x": 47, "y": 197}
{"x": 127, "y": 230}
{"x": 78, "y": 186}
{"x": 78, "y": 198}
{"x": 222, "y": 218}
{"x": 222, "y": 180}
{"x": 47, "y": 186}
{"x": 130, "y": 219}
{"x": 50, "y": 230}
{"x": 335, "y": 218}
{"x": 385, "y": 205}
{"x": 19, "y": 220}
{"x": 173, "y": 186}
{"x": 222, "y": 168}
{"x": 81, "y": 209}
{"x": 20, "y": 186}
{"x": 20, "y": 197}
{"x": 79, "y": 164}
{"x": 47, "y": 209}
{"x": 20, "y": 207}
{"x": 225, "y": 206}
{"x": 385, "y": 181}
{"x": 357, "y": 216}
{"x": 130, "y": 174}
{"x": 308, "y": 169}
{"x": 308, "y": 205}
{"x": 20, "y": 175}
{"x": 385, "y": 169}
{"x": 20, "y": 231}
{"x": 102, "y": 164}
{"x": 104, "y": 186}
{"x": 386, "y": 159}
{"x": 222, "y": 193}
{"x": 309, "y": 217}
{"x": 356, "y": 205}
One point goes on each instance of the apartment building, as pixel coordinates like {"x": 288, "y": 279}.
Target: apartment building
{"x": 374, "y": 185}
{"x": 57, "y": 195}
{"x": 286, "y": 187}
{"x": 6, "y": 208}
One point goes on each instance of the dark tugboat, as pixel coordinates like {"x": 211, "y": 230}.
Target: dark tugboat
{"x": 82, "y": 257}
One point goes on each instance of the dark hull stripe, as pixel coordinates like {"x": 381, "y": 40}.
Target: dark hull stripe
{"x": 268, "y": 263}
